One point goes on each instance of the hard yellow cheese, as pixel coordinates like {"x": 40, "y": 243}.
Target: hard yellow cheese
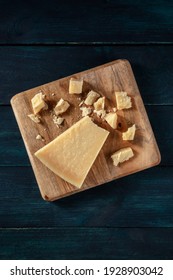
{"x": 61, "y": 107}
{"x": 123, "y": 100}
{"x": 122, "y": 155}
{"x": 111, "y": 119}
{"x": 75, "y": 86}
{"x": 72, "y": 153}
{"x": 130, "y": 133}
{"x": 38, "y": 103}
{"x": 91, "y": 97}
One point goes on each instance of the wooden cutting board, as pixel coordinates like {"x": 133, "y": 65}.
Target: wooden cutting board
{"x": 104, "y": 79}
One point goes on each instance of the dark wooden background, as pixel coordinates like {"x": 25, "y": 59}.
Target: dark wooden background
{"x": 131, "y": 218}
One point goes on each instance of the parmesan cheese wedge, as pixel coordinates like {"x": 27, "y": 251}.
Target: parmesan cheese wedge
{"x": 122, "y": 155}
{"x": 91, "y": 97}
{"x": 99, "y": 104}
{"x": 72, "y": 154}
{"x": 61, "y": 107}
{"x": 111, "y": 119}
{"x": 123, "y": 100}
{"x": 130, "y": 133}
{"x": 38, "y": 103}
{"x": 75, "y": 86}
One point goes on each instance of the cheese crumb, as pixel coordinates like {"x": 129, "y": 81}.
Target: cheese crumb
{"x": 53, "y": 94}
{"x": 99, "y": 104}
{"x": 75, "y": 86}
{"x": 122, "y": 155}
{"x": 114, "y": 109}
{"x": 38, "y": 103}
{"x": 61, "y": 107}
{"x": 39, "y": 137}
{"x": 85, "y": 111}
{"x": 34, "y": 118}
{"x": 100, "y": 113}
{"x": 123, "y": 100}
{"x": 130, "y": 133}
{"x": 81, "y": 103}
{"x": 92, "y": 96}
{"x": 111, "y": 119}
{"x": 57, "y": 120}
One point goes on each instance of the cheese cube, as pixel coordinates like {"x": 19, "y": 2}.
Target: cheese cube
{"x": 122, "y": 155}
{"x": 61, "y": 107}
{"x": 99, "y": 104}
{"x": 72, "y": 153}
{"x": 130, "y": 133}
{"x": 91, "y": 97}
{"x": 75, "y": 86}
{"x": 123, "y": 100}
{"x": 38, "y": 103}
{"x": 111, "y": 119}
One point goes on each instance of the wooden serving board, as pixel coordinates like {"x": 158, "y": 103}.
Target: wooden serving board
{"x": 105, "y": 79}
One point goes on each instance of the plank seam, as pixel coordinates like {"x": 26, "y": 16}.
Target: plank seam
{"x": 49, "y": 44}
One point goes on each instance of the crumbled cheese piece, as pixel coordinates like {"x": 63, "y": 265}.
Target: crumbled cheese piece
{"x": 61, "y": 107}
{"x": 75, "y": 86}
{"x": 123, "y": 100}
{"x": 114, "y": 109}
{"x": 34, "y": 118}
{"x": 130, "y": 133}
{"x": 85, "y": 111}
{"x": 99, "y": 104}
{"x": 57, "y": 120}
{"x": 122, "y": 155}
{"x": 39, "y": 137}
{"x": 53, "y": 94}
{"x": 92, "y": 96}
{"x": 111, "y": 119}
{"x": 38, "y": 103}
{"x": 81, "y": 103}
{"x": 100, "y": 113}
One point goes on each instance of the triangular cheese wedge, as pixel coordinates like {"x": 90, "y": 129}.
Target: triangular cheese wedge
{"x": 72, "y": 153}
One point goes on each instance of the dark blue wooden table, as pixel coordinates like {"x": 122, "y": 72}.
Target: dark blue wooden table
{"x": 130, "y": 218}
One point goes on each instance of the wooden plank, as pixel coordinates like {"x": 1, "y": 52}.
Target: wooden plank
{"x": 23, "y": 68}
{"x": 13, "y": 152}
{"x": 143, "y": 199}
{"x": 82, "y": 243}
{"x": 92, "y": 21}
{"x": 105, "y": 79}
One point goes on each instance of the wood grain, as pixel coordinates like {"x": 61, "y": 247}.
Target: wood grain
{"x": 24, "y": 67}
{"x": 90, "y": 21}
{"x": 142, "y": 200}
{"x": 87, "y": 243}
{"x": 105, "y": 79}
{"x": 13, "y": 152}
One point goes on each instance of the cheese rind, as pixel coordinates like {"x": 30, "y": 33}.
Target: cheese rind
{"x": 130, "y": 133}
{"x": 61, "y": 107}
{"x": 38, "y": 103}
{"x": 72, "y": 154}
{"x": 75, "y": 86}
{"x": 111, "y": 119}
{"x": 122, "y": 155}
{"x": 123, "y": 100}
{"x": 91, "y": 97}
